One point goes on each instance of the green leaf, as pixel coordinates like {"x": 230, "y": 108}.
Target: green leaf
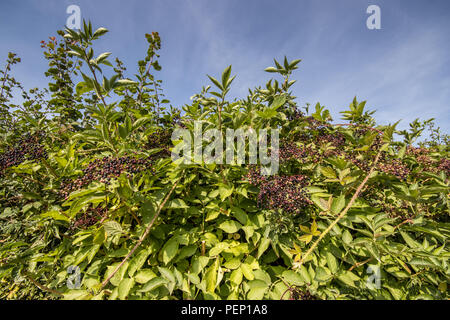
{"x": 348, "y": 278}
{"x": 218, "y": 248}
{"x": 169, "y": 250}
{"x": 293, "y": 278}
{"x": 112, "y": 228}
{"x": 338, "y": 204}
{"x": 217, "y": 83}
{"x": 103, "y": 56}
{"x": 347, "y": 237}
{"x": 247, "y": 271}
{"x": 409, "y": 241}
{"x": 167, "y": 274}
{"x": 198, "y": 264}
{"x": 278, "y": 102}
{"x": 304, "y": 274}
{"x": 99, "y": 32}
{"x": 211, "y": 215}
{"x": 137, "y": 262}
{"x": 256, "y": 293}
{"x": 240, "y": 215}
{"x": 320, "y": 202}
{"x": 236, "y": 276}
{"x": 125, "y": 287}
{"x": 322, "y": 274}
{"x": 118, "y": 276}
{"x": 177, "y": 204}
{"x": 153, "y": 284}
{"x": 293, "y": 64}
{"x": 271, "y": 69}
{"x": 76, "y": 295}
{"x": 263, "y": 245}
{"x": 422, "y": 262}
{"x": 328, "y": 172}
{"x": 234, "y": 263}
{"x": 225, "y": 191}
{"x": 230, "y": 226}
{"x": 83, "y": 87}
{"x": 332, "y": 262}
{"x": 144, "y": 275}
{"x": 211, "y": 276}
{"x": 56, "y": 215}
{"x": 225, "y": 76}
{"x": 126, "y": 82}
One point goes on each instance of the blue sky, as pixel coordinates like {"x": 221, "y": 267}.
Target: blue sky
{"x": 402, "y": 70}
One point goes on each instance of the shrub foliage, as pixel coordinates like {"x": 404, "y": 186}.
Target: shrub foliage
{"x": 87, "y": 183}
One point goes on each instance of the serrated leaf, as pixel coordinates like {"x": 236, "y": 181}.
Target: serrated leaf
{"x": 112, "y": 228}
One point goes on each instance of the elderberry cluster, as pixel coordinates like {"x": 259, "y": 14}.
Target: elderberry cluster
{"x": 422, "y": 157}
{"x": 297, "y": 294}
{"x": 444, "y": 165}
{"x": 89, "y": 218}
{"x": 362, "y": 165}
{"x": 28, "y": 147}
{"x": 295, "y": 114}
{"x": 314, "y": 123}
{"x": 281, "y": 192}
{"x": 336, "y": 139}
{"x": 160, "y": 139}
{"x": 426, "y": 162}
{"x": 289, "y": 151}
{"x": 413, "y": 151}
{"x": 103, "y": 170}
{"x": 394, "y": 211}
{"x": 394, "y": 167}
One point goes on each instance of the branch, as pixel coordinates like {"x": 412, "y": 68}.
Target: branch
{"x": 42, "y": 287}
{"x": 343, "y": 213}
{"x": 147, "y": 231}
{"x": 4, "y": 79}
{"x": 358, "y": 264}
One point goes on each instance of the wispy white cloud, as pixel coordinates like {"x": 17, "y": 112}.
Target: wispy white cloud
{"x": 404, "y": 82}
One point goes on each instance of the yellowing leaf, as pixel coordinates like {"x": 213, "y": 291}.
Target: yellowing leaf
{"x": 306, "y": 238}
{"x": 314, "y": 230}
{"x": 304, "y": 229}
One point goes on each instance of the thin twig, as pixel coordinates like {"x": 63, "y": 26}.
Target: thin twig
{"x": 358, "y": 264}
{"x": 342, "y": 214}
{"x": 402, "y": 223}
{"x": 147, "y": 231}
{"x": 4, "y": 79}
{"x": 42, "y": 287}
{"x": 289, "y": 288}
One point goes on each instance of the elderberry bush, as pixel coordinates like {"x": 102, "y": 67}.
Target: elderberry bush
{"x": 99, "y": 190}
